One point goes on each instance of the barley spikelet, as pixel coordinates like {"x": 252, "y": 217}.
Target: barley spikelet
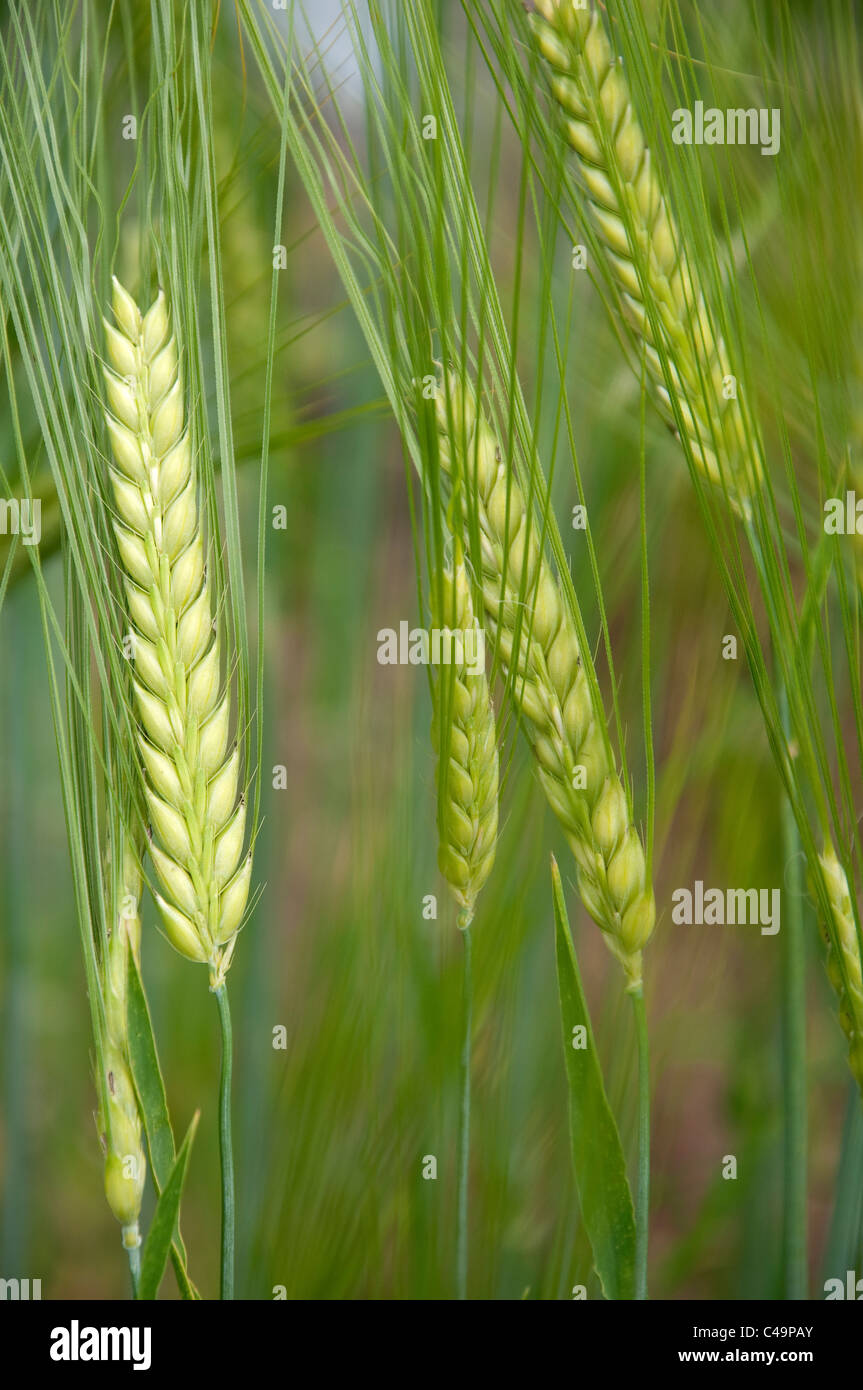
{"x": 125, "y": 1165}
{"x": 548, "y": 683}
{"x": 197, "y": 823}
{"x": 463, "y": 727}
{"x": 843, "y": 959}
{"x": 643, "y": 248}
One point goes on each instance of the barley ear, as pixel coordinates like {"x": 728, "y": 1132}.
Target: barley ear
{"x": 527, "y": 618}
{"x": 190, "y": 780}
{"x": 843, "y": 959}
{"x": 125, "y": 1164}
{"x": 464, "y": 737}
{"x": 659, "y": 295}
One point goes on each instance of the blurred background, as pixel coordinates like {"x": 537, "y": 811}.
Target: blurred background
{"x": 332, "y": 1130}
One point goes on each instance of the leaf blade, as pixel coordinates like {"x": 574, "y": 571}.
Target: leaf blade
{"x": 150, "y": 1090}
{"x": 161, "y": 1233}
{"x": 147, "y": 1076}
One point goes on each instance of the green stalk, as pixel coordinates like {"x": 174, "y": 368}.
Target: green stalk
{"x": 464, "y": 1135}
{"x": 794, "y": 1098}
{"x": 17, "y": 1186}
{"x": 794, "y": 1052}
{"x": 642, "y": 1202}
{"x": 135, "y": 1268}
{"x": 844, "y": 1248}
{"x": 226, "y": 1151}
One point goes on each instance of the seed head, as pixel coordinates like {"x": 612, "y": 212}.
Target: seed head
{"x": 843, "y": 961}
{"x": 190, "y": 781}
{"x": 464, "y": 736}
{"x": 120, "y": 1120}
{"x": 535, "y": 637}
{"x": 645, "y": 254}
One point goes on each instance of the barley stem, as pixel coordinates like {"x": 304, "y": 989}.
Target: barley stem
{"x": 642, "y": 1204}
{"x": 794, "y": 1097}
{"x": 135, "y": 1268}
{"x": 464, "y": 1135}
{"x": 18, "y": 978}
{"x": 226, "y": 1149}
{"x": 844, "y": 1247}
{"x": 794, "y": 1050}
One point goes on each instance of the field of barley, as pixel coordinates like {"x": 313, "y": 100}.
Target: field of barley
{"x": 431, "y": 582}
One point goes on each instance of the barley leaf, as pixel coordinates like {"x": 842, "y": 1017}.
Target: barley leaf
{"x": 597, "y": 1155}
{"x": 160, "y": 1236}
{"x": 147, "y": 1076}
{"x": 150, "y": 1088}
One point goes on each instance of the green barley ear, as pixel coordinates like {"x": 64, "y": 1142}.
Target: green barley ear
{"x": 190, "y": 777}
{"x": 644, "y": 253}
{"x": 843, "y": 959}
{"x": 125, "y": 1164}
{"x": 464, "y": 735}
{"x": 528, "y": 620}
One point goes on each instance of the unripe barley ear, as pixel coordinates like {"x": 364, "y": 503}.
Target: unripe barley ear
{"x": 465, "y": 739}
{"x": 664, "y": 307}
{"x": 120, "y": 1121}
{"x": 531, "y": 626}
{"x": 843, "y": 959}
{"x": 197, "y": 823}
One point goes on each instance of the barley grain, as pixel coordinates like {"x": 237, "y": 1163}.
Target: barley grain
{"x": 463, "y": 732}
{"x": 190, "y": 777}
{"x": 528, "y": 620}
{"x": 643, "y": 247}
{"x": 843, "y": 959}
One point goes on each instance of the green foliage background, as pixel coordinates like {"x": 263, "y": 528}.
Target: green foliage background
{"x": 332, "y": 1131}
